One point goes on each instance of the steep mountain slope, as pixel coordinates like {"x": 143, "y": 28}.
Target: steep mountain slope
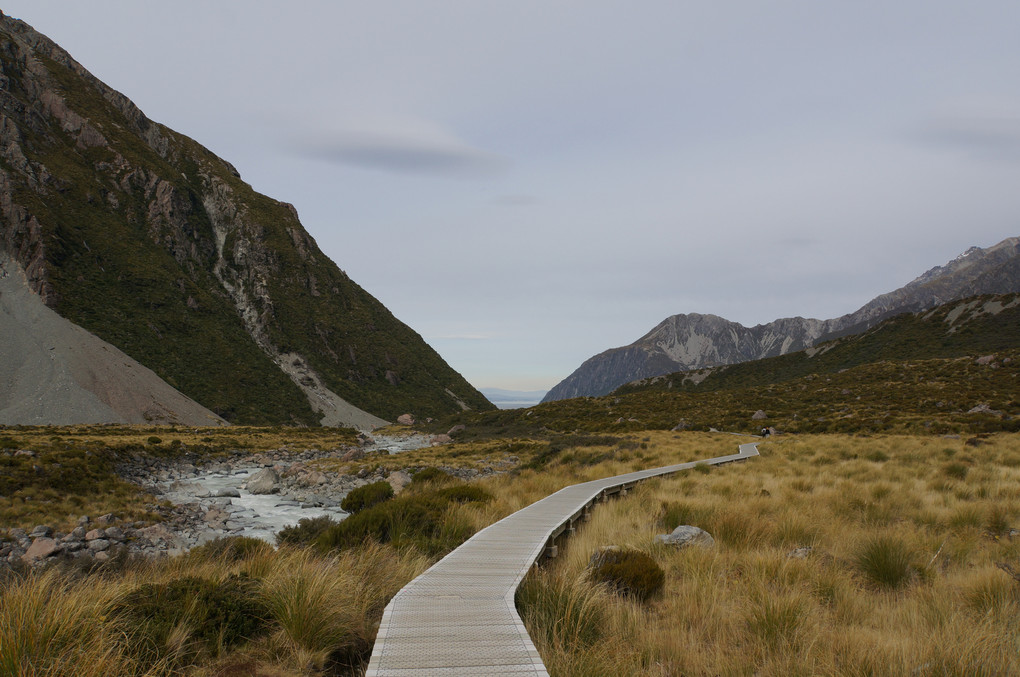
{"x": 691, "y": 342}
{"x": 146, "y": 239}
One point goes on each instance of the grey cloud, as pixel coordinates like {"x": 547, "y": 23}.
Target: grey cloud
{"x": 517, "y": 200}
{"x": 990, "y": 137}
{"x": 405, "y": 155}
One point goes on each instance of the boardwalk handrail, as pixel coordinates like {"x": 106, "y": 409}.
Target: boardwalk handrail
{"x": 459, "y": 617}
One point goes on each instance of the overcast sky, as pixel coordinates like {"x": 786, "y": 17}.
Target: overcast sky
{"x": 529, "y": 183}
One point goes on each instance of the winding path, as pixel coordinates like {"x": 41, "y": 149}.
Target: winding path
{"x": 459, "y": 618}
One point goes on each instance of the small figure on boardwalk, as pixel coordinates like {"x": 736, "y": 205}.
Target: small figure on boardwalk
{"x": 765, "y": 432}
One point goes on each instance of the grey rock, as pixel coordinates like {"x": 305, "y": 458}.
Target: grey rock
{"x": 405, "y": 419}
{"x": 115, "y": 534}
{"x": 759, "y": 416}
{"x": 99, "y": 545}
{"x": 231, "y": 493}
{"x": 41, "y": 530}
{"x": 265, "y": 481}
{"x": 41, "y": 548}
{"x": 398, "y": 480}
{"x": 95, "y": 534}
{"x": 800, "y": 553}
{"x": 77, "y": 534}
{"x": 685, "y": 535}
{"x": 106, "y": 519}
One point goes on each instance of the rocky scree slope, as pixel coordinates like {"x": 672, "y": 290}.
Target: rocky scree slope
{"x": 149, "y": 241}
{"x": 693, "y": 342}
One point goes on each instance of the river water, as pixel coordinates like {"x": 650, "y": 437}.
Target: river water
{"x": 263, "y": 515}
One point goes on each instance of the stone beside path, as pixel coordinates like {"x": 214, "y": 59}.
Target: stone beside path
{"x": 459, "y": 617}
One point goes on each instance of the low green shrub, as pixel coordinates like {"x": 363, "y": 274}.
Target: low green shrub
{"x": 418, "y": 520}
{"x": 229, "y": 549}
{"x": 305, "y": 531}
{"x": 465, "y": 493}
{"x": 367, "y": 496}
{"x": 214, "y": 615}
{"x": 629, "y": 572}
{"x": 429, "y": 475}
{"x": 154, "y": 440}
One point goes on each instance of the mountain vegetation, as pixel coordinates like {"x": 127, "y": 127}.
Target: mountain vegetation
{"x": 149, "y": 241}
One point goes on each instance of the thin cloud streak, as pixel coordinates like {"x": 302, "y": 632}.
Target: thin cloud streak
{"x": 404, "y": 154}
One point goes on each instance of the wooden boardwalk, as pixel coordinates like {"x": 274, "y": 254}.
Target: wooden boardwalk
{"x": 459, "y": 618}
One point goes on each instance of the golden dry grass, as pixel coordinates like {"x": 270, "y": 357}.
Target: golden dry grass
{"x": 746, "y": 607}
{"x": 322, "y": 609}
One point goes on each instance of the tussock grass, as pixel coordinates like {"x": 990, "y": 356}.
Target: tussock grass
{"x": 901, "y": 577}
{"x": 321, "y": 614}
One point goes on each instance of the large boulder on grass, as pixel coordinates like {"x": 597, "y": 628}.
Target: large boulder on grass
{"x": 685, "y": 535}
{"x": 398, "y": 480}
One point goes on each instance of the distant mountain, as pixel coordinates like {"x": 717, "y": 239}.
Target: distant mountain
{"x": 979, "y": 326}
{"x": 150, "y": 242}
{"x": 692, "y": 342}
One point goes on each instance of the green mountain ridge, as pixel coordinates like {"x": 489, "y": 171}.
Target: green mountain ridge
{"x": 146, "y": 239}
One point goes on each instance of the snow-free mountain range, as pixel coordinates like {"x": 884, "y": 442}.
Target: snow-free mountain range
{"x": 693, "y": 341}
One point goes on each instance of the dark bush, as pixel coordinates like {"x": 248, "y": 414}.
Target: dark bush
{"x": 218, "y": 614}
{"x": 410, "y": 520}
{"x": 305, "y": 531}
{"x": 154, "y": 440}
{"x": 465, "y": 493}
{"x": 629, "y": 572}
{"x": 229, "y": 549}
{"x": 426, "y": 475}
{"x": 367, "y": 496}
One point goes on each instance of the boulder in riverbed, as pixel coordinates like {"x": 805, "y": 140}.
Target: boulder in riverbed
{"x": 265, "y": 481}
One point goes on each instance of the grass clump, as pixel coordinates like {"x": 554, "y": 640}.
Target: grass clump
{"x": 305, "y": 531}
{"x": 367, "y": 496}
{"x": 628, "y": 572}
{"x": 229, "y": 549}
{"x": 181, "y": 619}
{"x": 885, "y": 561}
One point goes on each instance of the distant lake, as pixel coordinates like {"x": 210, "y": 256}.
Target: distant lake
{"x": 516, "y": 405}
{"x": 513, "y": 399}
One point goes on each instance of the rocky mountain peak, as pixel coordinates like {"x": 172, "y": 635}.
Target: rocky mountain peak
{"x": 694, "y": 341}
